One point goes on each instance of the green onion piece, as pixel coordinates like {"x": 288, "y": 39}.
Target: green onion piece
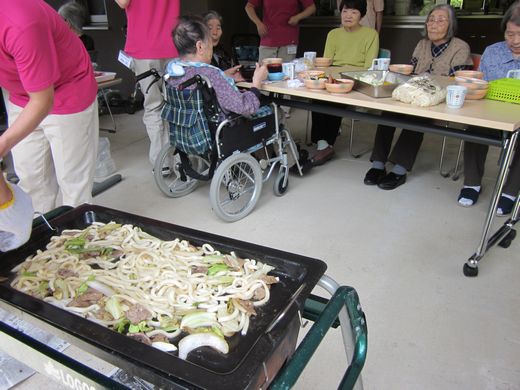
{"x": 216, "y": 268}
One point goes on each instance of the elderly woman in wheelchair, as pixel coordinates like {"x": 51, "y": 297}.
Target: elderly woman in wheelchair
{"x": 214, "y": 128}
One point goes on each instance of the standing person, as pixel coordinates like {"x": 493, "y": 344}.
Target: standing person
{"x": 497, "y": 60}
{"x": 149, "y": 43}
{"x": 52, "y": 108}
{"x": 278, "y": 28}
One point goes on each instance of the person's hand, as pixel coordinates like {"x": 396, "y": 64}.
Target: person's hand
{"x": 294, "y": 20}
{"x": 259, "y": 75}
{"x": 262, "y": 29}
{"x": 234, "y": 72}
{"x": 15, "y": 220}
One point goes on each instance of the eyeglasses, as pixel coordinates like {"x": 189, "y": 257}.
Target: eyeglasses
{"x": 436, "y": 20}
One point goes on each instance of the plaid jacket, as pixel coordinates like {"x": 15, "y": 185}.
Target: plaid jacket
{"x": 189, "y": 129}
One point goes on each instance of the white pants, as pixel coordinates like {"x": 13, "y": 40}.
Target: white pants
{"x": 153, "y": 103}
{"x": 58, "y": 158}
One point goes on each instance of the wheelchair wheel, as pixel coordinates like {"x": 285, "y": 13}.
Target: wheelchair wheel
{"x": 167, "y": 175}
{"x": 278, "y": 187}
{"x": 235, "y": 187}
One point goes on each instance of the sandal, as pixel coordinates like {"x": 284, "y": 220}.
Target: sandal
{"x": 468, "y": 193}
{"x": 505, "y": 206}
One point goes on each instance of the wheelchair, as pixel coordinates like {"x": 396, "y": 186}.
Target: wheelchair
{"x": 207, "y": 144}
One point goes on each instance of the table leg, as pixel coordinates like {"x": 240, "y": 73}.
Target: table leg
{"x": 471, "y": 266}
{"x": 113, "y": 130}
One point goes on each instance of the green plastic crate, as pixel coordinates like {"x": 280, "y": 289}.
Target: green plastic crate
{"x": 506, "y": 90}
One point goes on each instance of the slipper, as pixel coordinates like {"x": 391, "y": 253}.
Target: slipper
{"x": 468, "y": 193}
{"x": 505, "y": 206}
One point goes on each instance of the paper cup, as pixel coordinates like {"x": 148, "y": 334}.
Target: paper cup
{"x": 380, "y": 64}
{"x": 288, "y": 69}
{"x": 310, "y": 55}
{"x": 455, "y": 96}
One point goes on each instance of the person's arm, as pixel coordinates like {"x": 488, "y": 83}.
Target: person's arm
{"x": 123, "y": 3}
{"x": 379, "y": 21}
{"x": 372, "y": 49}
{"x": 295, "y": 19}
{"x": 260, "y": 26}
{"x": 39, "y": 105}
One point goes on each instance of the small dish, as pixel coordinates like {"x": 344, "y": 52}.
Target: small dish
{"x": 340, "y": 86}
{"x": 405, "y": 69}
{"x": 471, "y": 83}
{"x": 273, "y": 60}
{"x": 322, "y": 62}
{"x": 307, "y": 74}
{"x": 315, "y": 84}
{"x": 476, "y": 74}
{"x": 278, "y": 76}
{"x": 476, "y": 94}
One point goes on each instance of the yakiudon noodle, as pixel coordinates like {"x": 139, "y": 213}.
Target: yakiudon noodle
{"x": 149, "y": 289}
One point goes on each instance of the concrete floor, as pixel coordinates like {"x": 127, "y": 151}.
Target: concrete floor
{"x": 429, "y": 326}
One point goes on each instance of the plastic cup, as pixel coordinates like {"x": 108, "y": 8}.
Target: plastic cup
{"x": 288, "y": 69}
{"x": 380, "y": 64}
{"x": 455, "y": 96}
{"x": 310, "y": 55}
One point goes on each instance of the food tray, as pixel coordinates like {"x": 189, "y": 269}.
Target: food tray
{"x": 392, "y": 80}
{"x": 104, "y": 76}
{"x": 243, "y": 367}
{"x": 506, "y": 90}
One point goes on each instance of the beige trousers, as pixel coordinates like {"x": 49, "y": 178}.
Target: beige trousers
{"x": 58, "y": 159}
{"x": 153, "y": 103}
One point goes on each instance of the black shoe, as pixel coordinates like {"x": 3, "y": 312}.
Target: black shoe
{"x": 374, "y": 176}
{"x": 505, "y": 206}
{"x": 391, "y": 181}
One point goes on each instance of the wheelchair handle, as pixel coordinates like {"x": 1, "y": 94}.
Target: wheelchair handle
{"x": 187, "y": 83}
{"x": 152, "y": 72}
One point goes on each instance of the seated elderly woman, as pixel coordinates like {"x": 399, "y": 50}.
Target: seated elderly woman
{"x": 497, "y": 60}
{"x": 192, "y": 38}
{"x": 351, "y": 44}
{"x": 221, "y": 58}
{"x": 441, "y": 54}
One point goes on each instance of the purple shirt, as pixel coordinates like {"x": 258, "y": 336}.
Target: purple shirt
{"x": 229, "y": 98}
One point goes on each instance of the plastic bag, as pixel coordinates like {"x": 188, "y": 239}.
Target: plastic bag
{"x": 420, "y": 91}
{"x": 105, "y": 165}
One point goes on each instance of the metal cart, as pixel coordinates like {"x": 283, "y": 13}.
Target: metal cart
{"x": 342, "y": 309}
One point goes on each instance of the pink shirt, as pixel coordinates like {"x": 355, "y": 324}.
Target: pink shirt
{"x": 150, "y": 25}
{"x": 38, "y": 50}
{"x": 276, "y": 15}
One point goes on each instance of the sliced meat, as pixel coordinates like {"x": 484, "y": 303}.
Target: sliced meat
{"x": 140, "y": 337}
{"x": 88, "y": 298}
{"x": 259, "y": 294}
{"x": 199, "y": 269}
{"x": 160, "y": 337}
{"x": 66, "y": 273}
{"x": 247, "y": 306}
{"x": 268, "y": 279}
{"x": 233, "y": 262}
{"x": 138, "y": 313}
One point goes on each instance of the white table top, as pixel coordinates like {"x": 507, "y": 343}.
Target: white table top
{"x": 485, "y": 113}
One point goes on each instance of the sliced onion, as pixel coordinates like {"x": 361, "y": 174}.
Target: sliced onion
{"x": 102, "y": 288}
{"x": 170, "y": 335}
{"x": 196, "y": 340}
{"x": 166, "y": 347}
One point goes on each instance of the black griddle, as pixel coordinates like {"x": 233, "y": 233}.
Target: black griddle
{"x": 253, "y": 359}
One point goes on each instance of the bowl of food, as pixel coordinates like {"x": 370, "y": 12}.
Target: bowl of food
{"x": 475, "y": 94}
{"x": 277, "y": 76}
{"x": 273, "y": 60}
{"x": 315, "y": 84}
{"x": 475, "y": 74}
{"x": 311, "y": 74}
{"x": 339, "y": 85}
{"x": 322, "y": 62}
{"x": 401, "y": 68}
{"x": 471, "y": 83}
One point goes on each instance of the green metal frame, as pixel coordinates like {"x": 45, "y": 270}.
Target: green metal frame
{"x": 343, "y": 297}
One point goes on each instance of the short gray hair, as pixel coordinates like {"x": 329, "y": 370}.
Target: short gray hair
{"x": 512, "y": 15}
{"x": 452, "y": 20}
{"x": 188, "y": 31}
{"x": 75, "y": 14}
{"x": 210, "y": 15}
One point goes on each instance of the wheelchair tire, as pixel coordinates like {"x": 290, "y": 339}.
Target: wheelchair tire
{"x": 170, "y": 182}
{"x": 278, "y": 188}
{"x": 235, "y": 187}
